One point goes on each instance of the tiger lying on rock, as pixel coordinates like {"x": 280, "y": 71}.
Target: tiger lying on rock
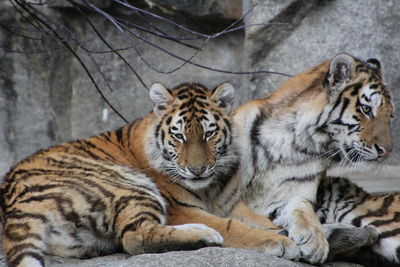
{"x": 339, "y": 111}
{"x": 150, "y": 186}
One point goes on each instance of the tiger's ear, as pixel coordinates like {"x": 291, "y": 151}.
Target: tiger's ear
{"x": 375, "y": 65}
{"x": 341, "y": 70}
{"x": 161, "y": 97}
{"x": 223, "y": 95}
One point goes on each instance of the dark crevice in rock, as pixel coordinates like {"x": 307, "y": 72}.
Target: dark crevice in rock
{"x": 265, "y": 39}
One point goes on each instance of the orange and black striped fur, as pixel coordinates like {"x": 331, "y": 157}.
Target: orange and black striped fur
{"x": 164, "y": 182}
{"x": 335, "y": 113}
{"x": 341, "y": 201}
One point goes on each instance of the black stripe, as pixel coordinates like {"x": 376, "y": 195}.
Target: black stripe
{"x": 90, "y": 144}
{"x": 81, "y": 148}
{"x": 181, "y": 97}
{"x": 119, "y": 134}
{"x": 228, "y": 225}
{"x": 81, "y": 179}
{"x": 390, "y": 233}
{"x": 21, "y": 256}
{"x": 123, "y": 203}
{"x": 32, "y": 189}
{"x": 377, "y": 213}
{"x": 275, "y": 213}
{"x": 62, "y": 204}
{"x": 133, "y": 226}
{"x": 183, "y": 90}
{"x": 17, "y": 214}
{"x": 305, "y": 179}
{"x": 355, "y": 205}
{"x": 186, "y": 205}
{"x": 356, "y": 89}
{"x": 254, "y": 141}
{"x": 339, "y": 121}
{"x": 16, "y": 249}
{"x": 19, "y": 232}
{"x": 396, "y": 218}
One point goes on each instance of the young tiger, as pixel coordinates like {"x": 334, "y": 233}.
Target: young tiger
{"x": 341, "y": 201}
{"x": 340, "y": 109}
{"x": 150, "y": 186}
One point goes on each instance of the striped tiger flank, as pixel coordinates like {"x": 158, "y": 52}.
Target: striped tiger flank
{"x": 336, "y": 113}
{"x": 165, "y": 182}
{"x": 342, "y": 201}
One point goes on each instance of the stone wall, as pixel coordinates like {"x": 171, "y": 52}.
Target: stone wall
{"x": 47, "y": 98}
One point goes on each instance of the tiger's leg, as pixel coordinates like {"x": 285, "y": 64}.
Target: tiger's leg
{"x": 235, "y": 233}
{"x": 143, "y": 232}
{"x": 246, "y": 215}
{"x": 299, "y": 219}
{"x": 342, "y": 238}
{"x": 24, "y": 240}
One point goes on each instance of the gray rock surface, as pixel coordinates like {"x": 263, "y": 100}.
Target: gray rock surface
{"x": 228, "y": 9}
{"x": 225, "y": 257}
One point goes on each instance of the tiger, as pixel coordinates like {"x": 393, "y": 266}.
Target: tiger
{"x": 168, "y": 181}
{"x": 341, "y": 201}
{"x": 338, "y": 111}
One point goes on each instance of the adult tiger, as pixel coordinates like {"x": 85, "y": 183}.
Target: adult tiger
{"x": 150, "y": 186}
{"x": 339, "y": 109}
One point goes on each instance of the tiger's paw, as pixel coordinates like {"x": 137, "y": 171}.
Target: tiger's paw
{"x": 345, "y": 238}
{"x": 202, "y": 233}
{"x": 281, "y": 246}
{"x": 312, "y": 242}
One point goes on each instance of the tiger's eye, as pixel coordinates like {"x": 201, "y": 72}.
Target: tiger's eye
{"x": 208, "y": 134}
{"x": 366, "y": 109}
{"x": 179, "y": 137}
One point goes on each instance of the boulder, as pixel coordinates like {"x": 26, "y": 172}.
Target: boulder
{"x": 225, "y": 257}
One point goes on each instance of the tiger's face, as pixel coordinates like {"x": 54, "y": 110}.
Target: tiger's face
{"x": 362, "y": 109}
{"x": 192, "y": 135}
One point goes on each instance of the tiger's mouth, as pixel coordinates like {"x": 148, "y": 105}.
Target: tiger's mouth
{"x": 202, "y": 177}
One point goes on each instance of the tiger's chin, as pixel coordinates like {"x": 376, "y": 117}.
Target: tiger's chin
{"x": 197, "y": 183}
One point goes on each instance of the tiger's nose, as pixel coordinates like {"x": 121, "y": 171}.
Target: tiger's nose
{"x": 197, "y": 170}
{"x": 382, "y": 151}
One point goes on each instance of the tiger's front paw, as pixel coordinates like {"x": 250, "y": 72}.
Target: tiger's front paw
{"x": 281, "y": 246}
{"x": 312, "y": 242}
{"x": 202, "y": 233}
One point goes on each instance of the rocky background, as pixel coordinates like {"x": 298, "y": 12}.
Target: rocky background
{"x": 46, "y": 97}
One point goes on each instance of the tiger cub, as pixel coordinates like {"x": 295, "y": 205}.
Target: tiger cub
{"x": 165, "y": 182}
{"x": 341, "y": 201}
{"x": 339, "y": 109}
